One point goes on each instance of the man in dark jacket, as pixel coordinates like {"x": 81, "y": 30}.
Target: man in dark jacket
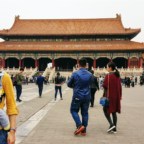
{"x": 40, "y": 81}
{"x": 94, "y": 87}
{"x": 80, "y": 82}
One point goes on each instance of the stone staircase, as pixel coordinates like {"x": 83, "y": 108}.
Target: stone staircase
{"x": 49, "y": 73}
{"x": 33, "y": 73}
{"x": 65, "y": 74}
{"x": 29, "y": 72}
{"x": 123, "y": 71}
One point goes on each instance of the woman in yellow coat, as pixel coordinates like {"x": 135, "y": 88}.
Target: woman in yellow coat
{"x": 7, "y": 98}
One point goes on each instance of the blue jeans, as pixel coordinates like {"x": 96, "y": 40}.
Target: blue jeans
{"x": 3, "y": 137}
{"x": 82, "y": 105}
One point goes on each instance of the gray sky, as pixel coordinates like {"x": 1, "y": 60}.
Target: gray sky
{"x": 132, "y": 11}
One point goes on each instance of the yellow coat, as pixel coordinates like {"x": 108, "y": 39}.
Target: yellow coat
{"x": 9, "y": 99}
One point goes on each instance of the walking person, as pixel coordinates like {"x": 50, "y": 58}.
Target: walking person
{"x": 7, "y": 99}
{"x": 27, "y": 80}
{"x": 132, "y": 82}
{"x": 113, "y": 91}
{"x": 80, "y": 82}
{"x": 128, "y": 82}
{"x": 94, "y": 87}
{"x": 136, "y": 80}
{"x": 19, "y": 79}
{"x": 40, "y": 81}
{"x": 101, "y": 82}
{"x": 58, "y": 85}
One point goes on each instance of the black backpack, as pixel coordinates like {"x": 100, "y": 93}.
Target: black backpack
{"x": 2, "y": 94}
{"x": 14, "y": 81}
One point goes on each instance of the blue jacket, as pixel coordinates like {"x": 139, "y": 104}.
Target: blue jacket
{"x": 80, "y": 82}
{"x": 40, "y": 80}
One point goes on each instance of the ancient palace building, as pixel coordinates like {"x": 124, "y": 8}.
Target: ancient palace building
{"x": 62, "y": 42}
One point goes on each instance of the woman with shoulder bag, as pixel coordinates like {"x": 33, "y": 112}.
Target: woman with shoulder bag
{"x": 113, "y": 91}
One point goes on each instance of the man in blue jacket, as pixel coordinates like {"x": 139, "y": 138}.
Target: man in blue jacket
{"x": 80, "y": 82}
{"x": 40, "y": 82}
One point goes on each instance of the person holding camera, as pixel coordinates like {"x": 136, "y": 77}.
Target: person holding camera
{"x": 58, "y": 85}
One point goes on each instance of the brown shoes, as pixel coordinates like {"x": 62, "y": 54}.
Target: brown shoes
{"x": 79, "y": 130}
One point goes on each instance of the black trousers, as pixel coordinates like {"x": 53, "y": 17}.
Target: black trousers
{"x": 93, "y": 91}
{"x": 56, "y": 91}
{"x": 18, "y": 91}
{"x": 112, "y": 121}
{"x": 40, "y": 87}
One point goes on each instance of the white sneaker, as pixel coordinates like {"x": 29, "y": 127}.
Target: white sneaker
{"x": 111, "y": 128}
{"x": 114, "y": 130}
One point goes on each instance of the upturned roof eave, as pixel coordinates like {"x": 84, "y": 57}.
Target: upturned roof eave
{"x": 72, "y": 46}
{"x": 66, "y": 34}
{"x": 110, "y": 50}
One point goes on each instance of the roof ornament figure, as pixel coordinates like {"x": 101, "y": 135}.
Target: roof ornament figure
{"x": 17, "y": 17}
{"x": 118, "y": 16}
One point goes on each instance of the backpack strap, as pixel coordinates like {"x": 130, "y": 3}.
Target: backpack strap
{"x": 2, "y": 94}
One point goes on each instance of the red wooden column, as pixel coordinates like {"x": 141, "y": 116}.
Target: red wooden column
{"x": 77, "y": 61}
{"x": 20, "y": 63}
{"x": 94, "y": 63}
{"x": 36, "y": 63}
{"x": 140, "y": 62}
{"x": 3, "y": 62}
{"x": 53, "y": 63}
{"x": 128, "y": 62}
{"x": 110, "y": 60}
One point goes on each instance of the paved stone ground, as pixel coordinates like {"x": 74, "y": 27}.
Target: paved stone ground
{"x": 57, "y": 126}
{"x": 31, "y": 102}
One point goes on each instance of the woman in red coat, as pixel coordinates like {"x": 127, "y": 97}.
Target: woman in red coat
{"x": 112, "y": 90}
